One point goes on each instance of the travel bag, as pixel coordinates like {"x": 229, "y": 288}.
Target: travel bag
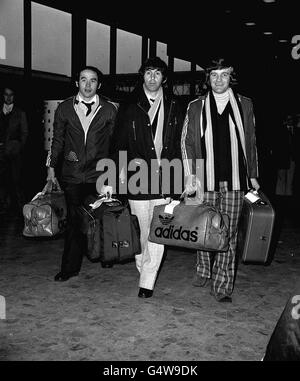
{"x": 46, "y": 214}
{"x": 113, "y": 233}
{"x": 192, "y": 225}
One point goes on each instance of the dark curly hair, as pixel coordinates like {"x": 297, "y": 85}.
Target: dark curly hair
{"x": 154, "y": 63}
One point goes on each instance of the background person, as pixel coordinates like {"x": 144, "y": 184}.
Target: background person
{"x": 13, "y": 136}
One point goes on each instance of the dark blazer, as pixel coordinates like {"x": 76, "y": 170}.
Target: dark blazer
{"x": 79, "y": 158}
{"x": 133, "y": 134}
{"x": 17, "y": 131}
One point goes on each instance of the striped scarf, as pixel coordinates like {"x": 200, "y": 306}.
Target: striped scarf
{"x": 209, "y": 146}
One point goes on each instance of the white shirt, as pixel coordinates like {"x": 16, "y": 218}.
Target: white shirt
{"x": 7, "y": 108}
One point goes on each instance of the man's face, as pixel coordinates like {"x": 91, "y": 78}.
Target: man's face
{"x": 88, "y": 84}
{"x": 219, "y": 80}
{"x": 153, "y": 80}
{"x": 8, "y": 96}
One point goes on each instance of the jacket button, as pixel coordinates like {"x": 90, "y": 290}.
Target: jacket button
{"x": 149, "y": 124}
{"x": 152, "y": 148}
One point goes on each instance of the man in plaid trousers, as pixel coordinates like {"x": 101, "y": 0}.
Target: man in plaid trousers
{"x": 219, "y": 129}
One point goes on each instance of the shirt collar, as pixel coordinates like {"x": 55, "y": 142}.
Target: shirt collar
{"x": 80, "y": 99}
{"x": 7, "y": 108}
{"x": 149, "y": 96}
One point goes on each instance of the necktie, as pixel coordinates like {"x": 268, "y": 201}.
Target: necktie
{"x": 89, "y": 107}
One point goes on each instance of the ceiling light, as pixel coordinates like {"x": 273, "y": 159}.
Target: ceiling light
{"x": 268, "y": 33}
{"x": 250, "y": 23}
{"x": 269, "y": 1}
{"x": 282, "y": 40}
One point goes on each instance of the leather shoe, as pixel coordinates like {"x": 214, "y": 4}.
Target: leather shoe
{"x": 106, "y": 265}
{"x": 224, "y": 299}
{"x": 145, "y": 293}
{"x": 60, "y": 277}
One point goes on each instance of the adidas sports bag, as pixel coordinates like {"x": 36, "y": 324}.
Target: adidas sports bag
{"x": 193, "y": 226}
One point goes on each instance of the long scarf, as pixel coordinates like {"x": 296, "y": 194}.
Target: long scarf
{"x": 208, "y": 134}
{"x": 158, "y": 104}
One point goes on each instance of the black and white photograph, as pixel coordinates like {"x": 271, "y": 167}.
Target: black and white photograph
{"x": 149, "y": 184}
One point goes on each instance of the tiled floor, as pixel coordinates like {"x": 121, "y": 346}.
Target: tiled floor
{"x": 98, "y": 316}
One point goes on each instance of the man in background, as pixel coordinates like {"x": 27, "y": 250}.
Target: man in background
{"x": 13, "y": 136}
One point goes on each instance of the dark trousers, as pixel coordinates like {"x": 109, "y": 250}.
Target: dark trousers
{"x": 75, "y": 244}
{"x": 11, "y": 192}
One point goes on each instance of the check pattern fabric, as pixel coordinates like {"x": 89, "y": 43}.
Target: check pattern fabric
{"x": 220, "y": 266}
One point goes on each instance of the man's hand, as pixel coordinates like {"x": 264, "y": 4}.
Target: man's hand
{"x": 191, "y": 185}
{"x": 107, "y": 190}
{"x": 51, "y": 175}
{"x": 255, "y": 184}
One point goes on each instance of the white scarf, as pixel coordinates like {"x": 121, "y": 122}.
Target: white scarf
{"x": 210, "y": 169}
{"x": 158, "y": 139}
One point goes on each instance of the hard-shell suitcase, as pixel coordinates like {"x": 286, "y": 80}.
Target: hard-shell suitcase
{"x": 113, "y": 233}
{"x": 255, "y": 230}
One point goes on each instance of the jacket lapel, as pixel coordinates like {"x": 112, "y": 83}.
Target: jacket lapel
{"x": 75, "y": 118}
{"x": 143, "y": 102}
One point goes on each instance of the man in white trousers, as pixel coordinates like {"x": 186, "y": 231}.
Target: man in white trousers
{"x": 149, "y": 130}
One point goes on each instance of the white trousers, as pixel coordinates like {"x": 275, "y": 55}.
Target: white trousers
{"x": 149, "y": 260}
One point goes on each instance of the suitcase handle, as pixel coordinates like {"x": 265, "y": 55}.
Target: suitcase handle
{"x": 255, "y": 197}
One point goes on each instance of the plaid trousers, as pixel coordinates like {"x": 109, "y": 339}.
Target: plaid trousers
{"x": 220, "y": 266}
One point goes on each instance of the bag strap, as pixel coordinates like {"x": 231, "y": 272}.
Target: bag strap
{"x": 48, "y": 187}
{"x": 51, "y": 187}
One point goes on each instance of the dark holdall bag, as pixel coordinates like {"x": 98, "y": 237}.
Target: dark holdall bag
{"x": 199, "y": 226}
{"x": 113, "y": 233}
{"x": 46, "y": 214}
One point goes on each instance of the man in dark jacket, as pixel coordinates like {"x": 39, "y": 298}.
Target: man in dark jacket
{"x": 13, "y": 136}
{"x": 83, "y": 125}
{"x": 219, "y": 130}
{"x": 149, "y": 131}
